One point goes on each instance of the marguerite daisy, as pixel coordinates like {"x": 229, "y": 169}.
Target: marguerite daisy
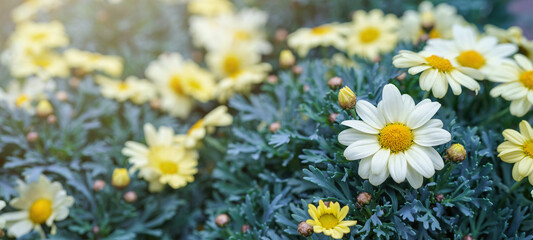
{"x": 88, "y": 62}
{"x": 372, "y": 34}
{"x": 24, "y": 95}
{"x": 162, "y": 161}
{"x": 512, "y": 35}
{"x": 326, "y": 35}
{"x": 483, "y": 54}
{"x": 218, "y": 117}
{"x": 41, "y": 202}
{"x": 37, "y": 37}
{"x": 329, "y": 219}
{"x": 397, "y": 137}
{"x": 517, "y": 84}
{"x": 2, "y": 221}
{"x": 209, "y": 8}
{"x": 437, "y": 72}
{"x": 518, "y": 150}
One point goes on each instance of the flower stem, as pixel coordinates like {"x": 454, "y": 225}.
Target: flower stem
{"x": 496, "y": 116}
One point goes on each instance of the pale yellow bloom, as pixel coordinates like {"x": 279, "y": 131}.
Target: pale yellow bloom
{"x": 512, "y": 35}
{"x": 44, "y": 64}
{"x": 210, "y": 8}
{"x": 162, "y": 161}
{"x": 329, "y": 220}
{"x": 218, "y": 117}
{"x": 239, "y": 69}
{"x": 89, "y": 62}
{"x": 518, "y": 150}
{"x": 23, "y": 94}
{"x": 372, "y": 34}
{"x": 327, "y": 35}
{"x": 37, "y": 37}
{"x": 41, "y": 202}
{"x": 132, "y": 88}
{"x": 30, "y": 8}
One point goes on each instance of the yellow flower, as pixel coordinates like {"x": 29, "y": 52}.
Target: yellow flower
{"x": 120, "y": 178}
{"x": 347, "y": 98}
{"x": 44, "y": 108}
{"x": 163, "y": 161}
{"x": 37, "y": 37}
{"x": 326, "y": 35}
{"x": 43, "y": 64}
{"x": 329, "y": 220}
{"x": 180, "y": 82}
{"x": 41, "y": 202}
{"x": 372, "y": 34}
{"x": 518, "y": 149}
{"x": 209, "y": 8}
{"x": 89, "y": 62}
{"x": 286, "y": 58}
{"x": 218, "y": 117}
{"x": 22, "y": 95}
{"x": 239, "y": 68}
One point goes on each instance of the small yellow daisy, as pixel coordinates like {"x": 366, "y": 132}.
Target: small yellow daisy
{"x": 518, "y": 149}
{"x": 329, "y": 219}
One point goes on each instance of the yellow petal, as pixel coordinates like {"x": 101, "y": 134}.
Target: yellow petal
{"x": 525, "y": 129}
{"x": 512, "y": 157}
{"x": 343, "y": 213}
{"x": 318, "y": 229}
{"x": 524, "y": 165}
{"x": 514, "y": 137}
{"x": 516, "y": 176}
{"x": 336, "y": 234}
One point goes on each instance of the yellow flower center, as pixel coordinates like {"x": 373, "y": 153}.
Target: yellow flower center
{"x": 168, "y": 167}
{"x": 21, "y": 99}
{"x": 196, "y": 126}
{"x": 434, "y": 33}
{"x": 40, "y": 211}
{"x": 471, "y": 59}
{"x": 163, "y": 158}
{"x": 328, "y": 221}
{"x": 527, "y": 79}
{"x": 439, "y": 63}
{"x": 39, "y": 36}
{"x": 528, "y": 148}
{"x": 42, "y": 61}
{"x": 396, "y": 137}
{"x": 321, "y": 30}
{"x": 232, "y": 65}
{"x": 175, "y": 84}
{"x": 369, "y": 34}
{"x": 243, "y": 35}
{"x": 123, "y": 86}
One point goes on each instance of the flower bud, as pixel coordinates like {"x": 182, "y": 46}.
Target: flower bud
{"x": 274, "y": 127}
{"x": 401, "y": 77}
{"x": 44, "y": 108}
{"x": 62, "y": 96}
{"x": 455, "y": 153}
{"x": 32, "y": 136}
{"x": 155, "y": 104}
{"x": 98, "y": 185}
{"x": 468, "y": 237}
{"x": 333, "y": 117}
{"x": 245, "y": 228}
{"x": 286, "y": 59}
{"x": 281, "y": 34}
{"x": 120, "y": 178}
{"x": 305, "y": 229}
{"x": 74, "y": 82}
{"x": 272, "y": 79}
{"x": 439, "y": 197}
{"x": 51, "y": 119}
{"x": 335, "y": 82}
{"x": 222, "y": 220}
{"x": 96, "y": 229}
{"x": 130, "y": 196}
{"x": 364, "y": 198}
{"x": 297, "y": 70}
{"x": 347, "y": 98}
{"x": 306, "y": 88}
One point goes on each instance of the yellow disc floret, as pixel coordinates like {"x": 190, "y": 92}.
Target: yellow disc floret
{"x": 396, "y": 136}
{"x": 528, "y": 148}
{"x": 232, "y": 65}
{"x": 328, "y": 221}
{"x": 40, "y": 211}
{"x": 175, "y": 84}
{"x": 439, "y": 63}
{"x": 321, "y": 30}
{"x": 369, "y": 34}
{"x": 471, "y": 59}
{"x": 527, "y": 79}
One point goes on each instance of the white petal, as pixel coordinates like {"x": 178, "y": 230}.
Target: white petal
{"x": 398, "y": 167}
{"x": 377, "y": 179}
{"x": 435, "y": 157}
{"x": 523, "y": 62}
{"x": 429, "y": 137}
{"x": 361, "y": 149}
{"x": 520, "y": 107}
{"x": 419, "y": 161}
{"x": 423, "y": 111}
{"x": 349, "y": 136}
{"x": 440, "y": 86}
{"x": 380, "y": 161}
{"x": 427, "y": 79}
{"x": 364, "y": 167}
{"x": 20, "y": 228}
{"x": 418, "y": 69}
{"x": 369, "y": 113}
{"x": 392, "y": 103}
{"x": 360, "y": 126}
{"x": 414, "y": 178}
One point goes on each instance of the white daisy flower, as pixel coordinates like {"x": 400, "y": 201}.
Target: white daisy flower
{"x": 218, "y": 117}
{"x": 24, "y": 95}
{"x": 396, "y": 138}
{"x": 41, "y": 202}
{"x": 438, "y": 71}
{"x": 304, "y": 39}
{"x": 517, "y": 84}
{"x": 2, "y": 221}
{"x": 483, "y": 54}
